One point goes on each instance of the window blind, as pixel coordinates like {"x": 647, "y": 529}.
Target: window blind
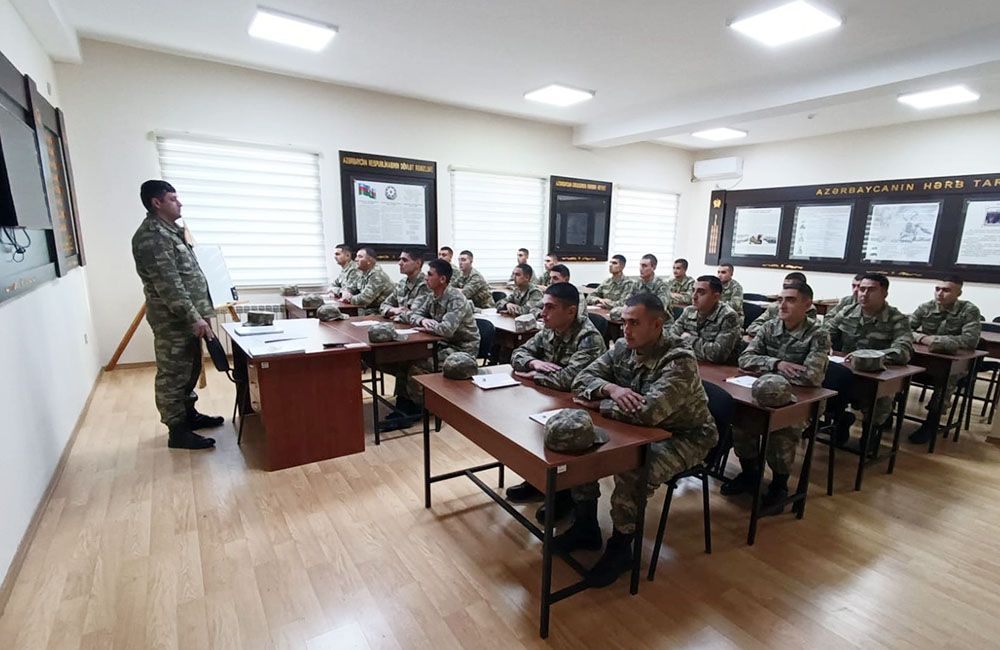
{"x": 644, "y": 222}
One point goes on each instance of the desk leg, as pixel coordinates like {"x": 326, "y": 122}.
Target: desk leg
{"x": 640, "y": 521}
{"x": 867, "y": 431}
{"x": 970, "y": 392}
{"x": 755, "y": 508}
{"x": 378, "y": 439}
{"x": 903, "y": 395}
{"x": 831, "y": 461}
{"x": 427, "y": 458}
{"x": 437, "y": 420}
{"x": 550, "y": 508}
{"x": 799, "y": 508}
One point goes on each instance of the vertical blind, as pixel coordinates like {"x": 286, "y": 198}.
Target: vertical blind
{"x": 645, "y": 222}
{"x": 260, "y": 205}
{"x": 493, "y": 216}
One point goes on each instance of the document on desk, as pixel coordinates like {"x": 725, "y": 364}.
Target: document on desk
{"x": 743, "y": 380}
{"x": 249, "y": 330}
{"x": 489, "y": 311}
{"x": 271, "y": 349}
{"x": 543, "y": 417}
{"x": 834, "y": 358}
{"x": 486, "y": 382}
{"x": 365, "y": 323}
{"x": 407, "y": 330}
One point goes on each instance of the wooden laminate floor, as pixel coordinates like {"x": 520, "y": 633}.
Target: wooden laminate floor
{"x": 144, "y": 547}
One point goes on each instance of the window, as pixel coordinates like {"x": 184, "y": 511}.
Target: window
{"x": 259, "y": 204}
{"x": 494, "y": 215}
{"x": 645, "y": 222}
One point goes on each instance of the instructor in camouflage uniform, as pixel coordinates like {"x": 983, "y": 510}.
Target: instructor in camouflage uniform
{"x": 798, "y": 348}
{"x": 178, "y": 309}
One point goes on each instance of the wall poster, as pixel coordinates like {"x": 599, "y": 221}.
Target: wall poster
{"x": 820, "y": 231}
{"x": 756, "y": 232}
{"x": 901, "y": 232}
{"x": 980, "y": 234}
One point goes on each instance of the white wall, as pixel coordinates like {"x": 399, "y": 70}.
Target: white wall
{"x": 119, "y": 94}
{"x": 48, "y": 369}
{"x": 956, "y": 146}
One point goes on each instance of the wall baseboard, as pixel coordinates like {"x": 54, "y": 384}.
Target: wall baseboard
{"x": 7, "y": 587}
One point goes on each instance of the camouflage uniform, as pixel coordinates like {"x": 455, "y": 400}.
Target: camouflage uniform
{"x": 889, "y": 330}
{"x": 574, "y": 350}
{"x": 846, "y": 301}
{"x": 521, "y": 301}
{"x": 962, "y": 323}
{"x": 667, "y": 376}
{"x": 614, "y": 289}
{"x": 716, "y": 338}
{"x": 732, "y": 295}
{"x": 683, "y": 286}
{"x": 176, "y": 297}
{"x": 658, "y": 288}
{"x": 771, "y": 314}
{"x": 545, "y": 279}
{"x": 407, "y": 294}
{"x": 456, "y": 324}
{"x": 373, "y": 288}
{"x": 349, "y": 278}
{"x": 808, "y": 345}
{"x": 475, "y": 288}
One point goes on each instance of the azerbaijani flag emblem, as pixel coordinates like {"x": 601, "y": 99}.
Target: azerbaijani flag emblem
{"x": 366, "y": 190}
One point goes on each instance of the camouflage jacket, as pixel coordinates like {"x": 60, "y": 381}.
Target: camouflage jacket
{"x": 656, "y": 286}
{"x": 683, "y": 286}
{"x": 349, "y": 278}
{"x": 475, "y": 288}
{"x": 545, "y": 279}
{"x": 771, "y": 313}
{"x": 732, "y": 295}
{"x": 574, "y": 351}
{"x": 455, "y": 321}
{"x": 807, "y": 345}
{"x": 666, "y": 375}
{"x": 521, "y": 301}
{"x": 888, "y": 330}
{"x": 962, "y": 322}
{"x": 373, "y": 288}
{"x": 175, "y": 287}
{"x": 846, "y": 301}
{"x": 615, "y": 290}
{"x": 715, "y": 337}
{"x": 407, "y": 294}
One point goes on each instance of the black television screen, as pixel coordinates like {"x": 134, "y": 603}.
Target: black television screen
{"x": 22, "y": 193}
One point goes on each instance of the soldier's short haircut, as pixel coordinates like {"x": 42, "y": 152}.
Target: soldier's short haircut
{"x": 648, "y": 300}
{"x": 153, "y": 189}
{"x": 469, "y": 253}
{"x": 954, "y": 279}
{"x": 416, "y": 253}
{"x": 441, "y": 267}
{"x": 727, "y": 266}
{"x": 526, "y": 269}
{"x": 620, "y": 258}
{"x": 347, "y": 248}
{"x": 369, "y": 250}
{"x": 683, "y": 262}
{"x": 803, "y": 289}
{"x": 523, "y": 250}
{"x": 859, "y": 275}
{"x": 795, "y": 276}
{"x": 652, "y": 259}
{"x": 447, "y": 248}
{"x": 561, "y": 269}
{"x": 565, "y": 293}
{"x": 878, "y": 277}
{"x": 554, "y": 256}
{"x": 713, "y": 281}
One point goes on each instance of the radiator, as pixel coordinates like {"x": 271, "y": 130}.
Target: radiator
{"x": 223, "y": 316}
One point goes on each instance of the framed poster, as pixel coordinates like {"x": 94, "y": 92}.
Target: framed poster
{"x": 819, "y": 232}
{"x": 388, "y": 203}
{"x": 579, "y": 219}
{"x": 756, "y": 232}
{"x": 901, "y": 232}
{"x": 980, "y": 243}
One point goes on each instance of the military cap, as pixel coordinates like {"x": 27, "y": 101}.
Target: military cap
{"x": 260, "y": 318}
{"x": 312, "y": 301}
{"x": 616, "y": 314}
{"x": 525, "y": 323}
{"x": 943, "y": 345}
{"x": 330, "y": 312}
{"x": 572, "y": 430}
{"x": 868, "y": 360}
{"x": 382, "y": 333}
{"x": 290, "y": 290}
{"x": 772, "y": 390}
{"x": 460, "y": 365}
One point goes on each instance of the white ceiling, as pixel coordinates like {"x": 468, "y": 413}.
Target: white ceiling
{"x": 661, "y": 69}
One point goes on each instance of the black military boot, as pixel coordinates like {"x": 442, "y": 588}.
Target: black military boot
{"x": 744, "y": 482}
{"x": 185, "y": 438}
{"x": 585, "y": 533}
{"x": 923, "y": 434}
{"x": 198, "y": 420}
{"x": 777, "y": 492}
{"x": 617, "y": 559}
{"x": 524, "y": 492}
{"x": 564, "y": 506}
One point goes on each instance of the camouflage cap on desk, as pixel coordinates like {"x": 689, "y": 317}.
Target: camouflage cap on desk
{"x": 772, "y": 390}
{"x": 382, "y": 333}
{"x": 460, "y": 365}
{"x": 525, "y": 323}
{"x": 312, "y": 301}
{"x": 868, "y": 360}
{"x": 616, "y": 313}
{"x": 290, "y": 290}
{"x": 572, "y": 430}
{"x": 943, "y": 345}
{"x": 330, "y": 312}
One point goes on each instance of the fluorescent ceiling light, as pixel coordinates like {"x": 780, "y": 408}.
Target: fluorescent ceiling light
{"x": 559, "y": 95}
{"x": 723, "y": 133}
{"x": 287, "y": 29}
{"x": 939, "y": 97}
{"x": 786, "y": 23}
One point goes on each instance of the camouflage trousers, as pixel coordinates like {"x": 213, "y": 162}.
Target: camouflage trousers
{"x": 880, "y": 411}
{"x": 178, "y": 365}
{"x": 939, "y": 404}
{"x": 669, "y": 457}
{"x": 782, "y": 446}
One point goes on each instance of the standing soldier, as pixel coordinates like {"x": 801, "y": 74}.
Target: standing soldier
{"x": 682, "y": 285}
{"x": 615, "y": 289}
{"x": 798, "y": 348}
{"x": 178, "y": 309}
{"x": 732, "y": 291}
{"x": 374, "y": 286}
{"x": 471, "y": 282}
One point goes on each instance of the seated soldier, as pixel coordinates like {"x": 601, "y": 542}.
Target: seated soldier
{"x": 525, "y": 297}
{"x": 559, "y": 273}
{"x": 346, "y": 283}
{"x": 681, "y": 285}
{"x": 446, "y": 253}
{"x": 710, "y": 327}
{"x": 550, "y": 260}
{"x": 946, "y": 319}
{"x": 732, "y": 291}
{"x": 409, "y": 291}
{"x": 374, "y": 286}
{"x": 615, "y": 289}
{"x": 848, "y": 300}
{"x": 552, "y": 358}
{"x": 798, "y": 348}
{"x": 872, "y": 324}
{"x": 647, "y": 282}
{"x": 522, "y": 258}
{"x": 771, "y": 313}
{"x": 645, "y": 380}
{"x": 471, "y": 282}
{"x": 447, "y": 313}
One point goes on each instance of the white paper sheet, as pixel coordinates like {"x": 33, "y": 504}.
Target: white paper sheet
{"x": 543, "y": 417}
{"x": 486, "y": 382}
{"x": 743, "y": 380}
{"x": 364, "y": 323}
{"x": 834, "y": 358}
{"x": 251, "y": 330}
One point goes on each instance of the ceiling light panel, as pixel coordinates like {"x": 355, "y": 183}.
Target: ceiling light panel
{"x": 278, "y": 27}
{"x": 787, "y": 23}
{"x": 719, "y": 134}
{"x": 939, "y": 97}
{"x": 557, "y": 95}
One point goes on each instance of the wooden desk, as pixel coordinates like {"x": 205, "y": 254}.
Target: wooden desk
{"x": 294, "y": 308}
{"x": 420, "y": 345}
{"x": 764, "y": 419}
{"x": 614, "y": 326}
{"x": 941, "y": 367}
{"x": 990, "y": 342}
{"x": 287, "y": 390}
{"x": 497, "y": 421}
{"x": 507, "y": 338}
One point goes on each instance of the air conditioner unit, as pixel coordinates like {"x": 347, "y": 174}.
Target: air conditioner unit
{"x": 717, "y": 169}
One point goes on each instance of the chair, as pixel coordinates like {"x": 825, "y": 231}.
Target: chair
{"x": 720, "y": 404}
{"x": 592, "y": 285}
{"x": 487, "y": 334}
{"x": 221, "y": 363}
{"x": 751, "y": 312}
{"x": 759, "y": 297}
{"x": 600, "y": 322}
{"x": 498, "y": 295}
{"x": 838, "y": 378}
{"x": 676, "y": 311}
{"x": 991, "y": 366}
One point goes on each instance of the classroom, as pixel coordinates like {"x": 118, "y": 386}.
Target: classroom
{"x": 463, "y": 325}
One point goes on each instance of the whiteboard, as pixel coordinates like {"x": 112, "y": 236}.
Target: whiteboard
{"x": 213, "y": 265}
